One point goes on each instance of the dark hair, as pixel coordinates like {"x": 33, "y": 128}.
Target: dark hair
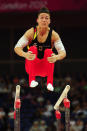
{"x": 44, "y": 10}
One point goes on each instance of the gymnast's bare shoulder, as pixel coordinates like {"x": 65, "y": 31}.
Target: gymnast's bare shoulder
{"x": 55, "y": 36}
{"x": 29, "y": 34}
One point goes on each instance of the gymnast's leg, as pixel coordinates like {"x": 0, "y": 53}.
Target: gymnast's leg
{"x": 29, "y": 67}
{"x": 50, "y": 69}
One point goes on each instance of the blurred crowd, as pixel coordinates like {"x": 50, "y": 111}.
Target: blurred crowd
{"x": 37, "y": 112}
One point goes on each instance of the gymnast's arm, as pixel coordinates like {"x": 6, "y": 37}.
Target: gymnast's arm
{"x": 59, "y": 46}
{"x": 23, "y": 42}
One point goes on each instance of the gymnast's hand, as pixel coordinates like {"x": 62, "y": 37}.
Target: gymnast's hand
{"x": 30, "y": 55}
{"x": 52, "y": 59}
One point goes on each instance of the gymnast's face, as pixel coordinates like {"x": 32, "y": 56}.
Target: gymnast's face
{"x": 43, "y": 20}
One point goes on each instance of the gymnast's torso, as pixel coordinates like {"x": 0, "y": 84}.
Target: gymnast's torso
{"x": 41, "y": 41}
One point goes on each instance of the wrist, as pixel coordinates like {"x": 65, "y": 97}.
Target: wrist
{"x": 57, "y": 57}
{"x": 23, "y": 54}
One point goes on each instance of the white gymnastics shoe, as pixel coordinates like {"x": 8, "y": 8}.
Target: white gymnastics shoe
{"x": 50, "y": 87}
{"x": 34, "y": 83}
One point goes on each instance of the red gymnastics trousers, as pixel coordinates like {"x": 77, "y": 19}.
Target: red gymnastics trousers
{"x": 40, "y": 67}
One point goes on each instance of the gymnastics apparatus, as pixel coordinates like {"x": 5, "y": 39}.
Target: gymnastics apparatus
{"x": 17, "y": 105}
{"x": 63, "y": 98}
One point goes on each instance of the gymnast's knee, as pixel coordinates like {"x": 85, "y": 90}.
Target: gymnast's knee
{"x": 48, "y": 52}
{"x": 33, "y": 49}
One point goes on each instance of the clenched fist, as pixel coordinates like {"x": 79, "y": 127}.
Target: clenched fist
{"x": 30, "y": 56}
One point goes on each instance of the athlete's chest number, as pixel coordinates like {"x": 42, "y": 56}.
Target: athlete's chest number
{"x": 40, "y": 48}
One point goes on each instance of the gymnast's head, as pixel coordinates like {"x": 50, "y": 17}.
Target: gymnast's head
{"x": 43, "y": 18}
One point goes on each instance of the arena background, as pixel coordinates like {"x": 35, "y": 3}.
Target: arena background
{"x": 69, "y": 21}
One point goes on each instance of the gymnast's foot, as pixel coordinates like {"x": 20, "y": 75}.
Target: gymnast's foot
{"x": 50, "y": 87}
{"x": 33, "y": 83}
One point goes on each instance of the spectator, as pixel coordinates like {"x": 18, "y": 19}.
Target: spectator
{"x": 78, "y": 126}
{"x": 35, "y": 126}
{"x": 43, "y": 125}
